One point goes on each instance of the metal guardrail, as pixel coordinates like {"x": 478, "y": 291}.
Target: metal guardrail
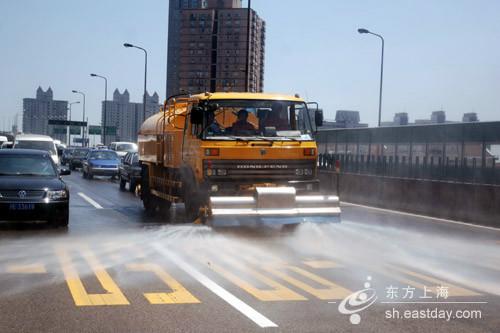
{"x": 457, "y": 170}
{"x": 460, "y": 152}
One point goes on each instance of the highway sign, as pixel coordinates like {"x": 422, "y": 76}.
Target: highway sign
{"x": 67, "y": 122}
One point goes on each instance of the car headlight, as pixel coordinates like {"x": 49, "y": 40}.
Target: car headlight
{"x": 57, "y": 195}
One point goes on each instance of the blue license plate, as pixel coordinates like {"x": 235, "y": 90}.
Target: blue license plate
{"x": 22, "y": 206}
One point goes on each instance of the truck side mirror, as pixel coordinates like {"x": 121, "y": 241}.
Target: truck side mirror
{"x": 196, "y": 116}
{"x": 318, "y": 118}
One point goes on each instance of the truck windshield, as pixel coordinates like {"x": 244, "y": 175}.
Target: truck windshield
{"x": 276, "y": 120}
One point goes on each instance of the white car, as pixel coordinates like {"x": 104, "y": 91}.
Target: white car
{"x": 122, "y": 148}
{"x": 3, "y": 139}
{"x": 35, "y": 141}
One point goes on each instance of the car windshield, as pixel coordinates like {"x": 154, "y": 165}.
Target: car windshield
{"x": 34, "y": 144}
{"x": 26, "y": 165}
{"x": 270, "y": 119}
{"x": 126, "y": 147}
{"x": 104, "y": 155}
{"x": 80, "y": 152}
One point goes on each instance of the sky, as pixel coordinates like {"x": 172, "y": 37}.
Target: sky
{"x": 438, "y": 54}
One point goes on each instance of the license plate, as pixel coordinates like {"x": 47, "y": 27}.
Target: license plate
{"x": 22, "y": 206}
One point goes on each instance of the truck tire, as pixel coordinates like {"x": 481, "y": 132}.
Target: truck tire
{"x": 148, "y": 200}
{"x": 190, "y": 194}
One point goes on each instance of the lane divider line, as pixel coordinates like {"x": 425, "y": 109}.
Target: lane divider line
{"x": 89, "y": 200}
{"x": 229, "y": 298}
{"x": 347, "y": 204}
{"x": 27, "y": 269}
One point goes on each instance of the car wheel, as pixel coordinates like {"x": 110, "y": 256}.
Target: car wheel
{"x": 131, "y": 186}
{"x": 122, "y": 183}
{"x": 61, "y": 221}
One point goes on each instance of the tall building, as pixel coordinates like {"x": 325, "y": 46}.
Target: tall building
{"x": 38, "y": 111}
{"x": 123, "y": 118}
{"x": 213, "y": 45}
{"x": 173, "y": 47}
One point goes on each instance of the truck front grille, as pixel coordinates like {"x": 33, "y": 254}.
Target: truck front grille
{"x": 259, "y": 169}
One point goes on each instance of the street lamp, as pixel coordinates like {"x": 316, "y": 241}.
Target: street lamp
{"x": 105, "y": 99}
{"x": 366, "y": 31}
{"x": 83, "y": 127}
{"x": 69, "y": 126}
{"x": 145, "y": 76}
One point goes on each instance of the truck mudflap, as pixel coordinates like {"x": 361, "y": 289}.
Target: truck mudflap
{"x": 273, "y": 206}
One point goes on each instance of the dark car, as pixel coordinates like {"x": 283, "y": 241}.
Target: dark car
{"x": 31, "y": 188}
{"x": 130, "y": 171}
{"x": 66, "y": 156}
{"x": 100, "y": 163}
{"x": 77, "y": 157}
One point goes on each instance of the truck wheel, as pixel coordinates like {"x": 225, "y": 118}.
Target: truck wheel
{"x": 148, "y": 201}
{"x": 190, "y": 195}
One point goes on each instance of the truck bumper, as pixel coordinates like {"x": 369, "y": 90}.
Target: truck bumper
{"x": 273, "y": 206}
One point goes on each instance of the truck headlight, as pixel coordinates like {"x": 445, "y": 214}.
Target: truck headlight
{"x": 299, "y": 172}
{"x": 57, "y": 195}
{"x": 221, "y": 172}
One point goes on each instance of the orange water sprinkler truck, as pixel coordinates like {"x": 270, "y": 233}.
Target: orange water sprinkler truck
{"x": 235, "y": 159}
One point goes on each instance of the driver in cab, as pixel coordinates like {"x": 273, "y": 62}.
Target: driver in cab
{"x": 241, "y": 126}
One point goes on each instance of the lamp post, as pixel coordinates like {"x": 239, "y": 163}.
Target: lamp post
{"x": 365, "y": 31}
{"x": 105, "y": 99}
{"x": 69, "y": 126}
{"x": 145, "y": 76}
{"x": 84, "y": 128}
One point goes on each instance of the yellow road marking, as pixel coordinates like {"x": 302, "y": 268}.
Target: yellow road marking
{"x": 179, "y": 295}
{"x": 114, "y": 296}
{"x": 453, "y": 290}
{"x": 332, "y": 290}
{"x": 26, "y": 269}
{"x": 278, "y": 292}
{"x": 321, "y": 264}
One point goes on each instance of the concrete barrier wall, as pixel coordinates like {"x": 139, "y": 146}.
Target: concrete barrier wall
{"x": 473, "y": 203}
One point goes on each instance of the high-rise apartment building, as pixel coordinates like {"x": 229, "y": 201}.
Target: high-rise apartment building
{"x": 125, "y": 118}
{"x": 214, "y": 49}
{"x": 173, "y": 48}
{"x": 38, "y": 111}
